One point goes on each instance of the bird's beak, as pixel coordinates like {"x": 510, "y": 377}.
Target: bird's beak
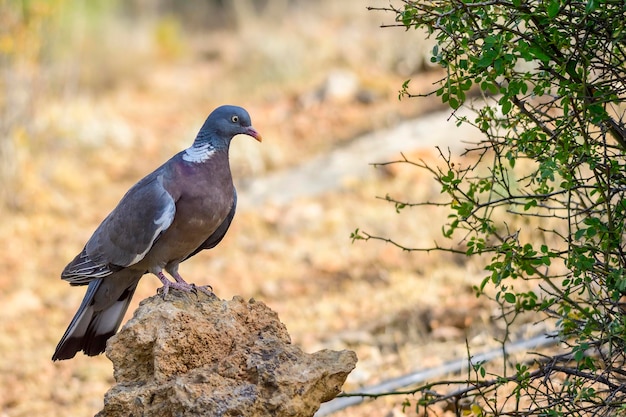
{"x": 252, "y": 132}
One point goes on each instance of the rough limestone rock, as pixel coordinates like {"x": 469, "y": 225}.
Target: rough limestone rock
{"x": 198, "y": 355}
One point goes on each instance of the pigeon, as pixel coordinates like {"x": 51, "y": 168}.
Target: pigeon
{"x": 183, "y": 207}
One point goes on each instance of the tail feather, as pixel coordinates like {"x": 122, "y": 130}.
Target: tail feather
{"x": 99, "y": 315}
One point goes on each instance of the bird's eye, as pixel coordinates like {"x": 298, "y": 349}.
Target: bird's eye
{"x": 234, "y": 119}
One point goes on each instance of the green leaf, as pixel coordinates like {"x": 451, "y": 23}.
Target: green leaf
{"x": 553, "y": 8}
{"x": 407, "y": 17}
{"x": 524, "y": 88}
{"x": 509, "y": 297}
{"x": 356, "y": 235}
{"x": 529, "y": 204}
{"x": 538, "y": 53}
{"x": 498, "y": 66}
{"x": 467, "y": 84}
{"x": 591, "y": 6}
{"x": 448, "y": 177}
{"x": 506, "y": 106}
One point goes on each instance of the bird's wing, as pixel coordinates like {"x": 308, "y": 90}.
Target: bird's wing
{"x": 127, "y": 234}
{"x": 220, "y": 232}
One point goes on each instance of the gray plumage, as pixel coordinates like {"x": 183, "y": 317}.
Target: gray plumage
{"x": 184, "y": 206}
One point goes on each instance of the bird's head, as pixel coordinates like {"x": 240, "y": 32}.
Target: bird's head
{"x": 224, "y": 123}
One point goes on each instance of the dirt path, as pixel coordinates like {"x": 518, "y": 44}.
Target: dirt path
{"x": 329, "y": 171}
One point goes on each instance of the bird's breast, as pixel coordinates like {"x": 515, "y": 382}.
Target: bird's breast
{"x": 201, "y": 207}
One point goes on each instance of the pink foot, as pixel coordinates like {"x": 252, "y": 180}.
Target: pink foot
{"x": 180, "y": 284}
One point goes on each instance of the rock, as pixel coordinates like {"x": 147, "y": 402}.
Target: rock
{"x": 340, "y": 86}
{"x": 198, "y": 355}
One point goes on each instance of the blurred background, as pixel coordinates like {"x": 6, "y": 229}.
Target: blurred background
{"x": 96, "y": 94}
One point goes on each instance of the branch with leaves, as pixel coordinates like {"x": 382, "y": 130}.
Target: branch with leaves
{"x": 551, "y": 83}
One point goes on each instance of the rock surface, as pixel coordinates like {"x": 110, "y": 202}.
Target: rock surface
{"x": 198, "y": 355}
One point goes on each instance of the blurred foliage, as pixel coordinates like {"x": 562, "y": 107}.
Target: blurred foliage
{"x": 25, "y": 27}
{"x": 37, "y": 40}
{"x": 39, "y": 32}
{"x": 61, "y": 49}
{"x": 58, "y": 55}
{"x": 168, "y": 37}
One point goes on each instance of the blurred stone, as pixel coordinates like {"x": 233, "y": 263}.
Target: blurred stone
{"x": 364, "y": 96}
{"x": 340, "y": 86}
{"x": 198, "y": 355}
{"x": 458, "y": 312}
{"x": 447, "y": 333}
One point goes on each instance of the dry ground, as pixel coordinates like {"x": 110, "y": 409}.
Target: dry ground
{"x": 83, "y": 149}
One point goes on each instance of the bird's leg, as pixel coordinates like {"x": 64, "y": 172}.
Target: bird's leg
{"x": 166, "y": 283}
{"x": 173, "y": 271}
{"x": 207, "y": 289}
{"x": 179, "y": 284}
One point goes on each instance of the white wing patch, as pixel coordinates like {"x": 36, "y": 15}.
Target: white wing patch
{"x": 163, "y": 222}
{"x": 85, "y": 270}
{"x": 198, "y": 154}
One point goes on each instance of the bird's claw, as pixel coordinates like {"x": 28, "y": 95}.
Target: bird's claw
{"x": 185, "y": 287}
{"x": 207, "y": 289}
{"x": 163, "y": 291}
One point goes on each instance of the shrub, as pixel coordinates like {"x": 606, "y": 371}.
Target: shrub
{"x": 550, "y": 83}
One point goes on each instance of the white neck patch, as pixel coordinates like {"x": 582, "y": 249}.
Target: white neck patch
{"x": 198, "y": 154}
